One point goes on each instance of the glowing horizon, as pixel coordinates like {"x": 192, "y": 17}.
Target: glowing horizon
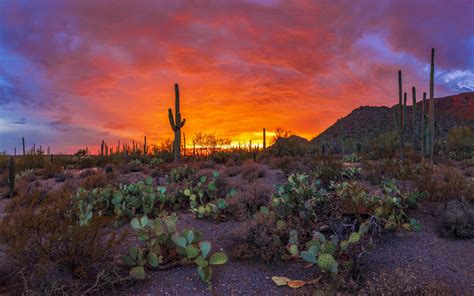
{"x": 74, "y": 73}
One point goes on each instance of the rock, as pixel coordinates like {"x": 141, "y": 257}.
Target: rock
{"x": 456, "y": 220}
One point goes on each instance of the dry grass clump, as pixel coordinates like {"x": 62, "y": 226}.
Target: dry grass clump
{"x": 443, "y": 183}
{"x": 51, "y": 251}
{"x": 245, "y": 203}
{"x": 252, "y": 171}
{"x": 95, "y": 181}
{"x": 260, "y": 238}
{"x": 403, "y": 282}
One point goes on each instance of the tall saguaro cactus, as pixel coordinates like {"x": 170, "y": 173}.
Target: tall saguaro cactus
{"x": 401, "y": 124}
{"x": 264, "y": 139}
{"x": 176, "y": 125}
{"x": 413, "y": 118}
{"x": 431, "y": 109}
{"x": 423, "y": 126}
{"x": 145, "y": 147}
{"x": 23, "y": 140}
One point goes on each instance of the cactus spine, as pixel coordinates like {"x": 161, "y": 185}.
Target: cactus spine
{"x": 176, "y": 125}
{"x": 431, "y": 109}
{"x": 11, "y": 175}
{"x": 264, "y": 140}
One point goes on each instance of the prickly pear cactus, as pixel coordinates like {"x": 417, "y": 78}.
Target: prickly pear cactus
{"x": 327, "y": 263}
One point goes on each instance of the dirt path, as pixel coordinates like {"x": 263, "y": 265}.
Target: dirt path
{"x": 424, "y": 258}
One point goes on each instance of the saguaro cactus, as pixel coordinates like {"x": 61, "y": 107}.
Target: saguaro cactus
{"x": 431, "y": 111}
{"x": 264, "y": 140}
{"x": 102, "y": 147}
{"x": 413, "y": 118}
{"x": 145, "y": 148}
{"x": 176, "y": 125}
{"x": 401, "y": 125}
{"x": 23, "y": 140}
{"x": 423, "y": 126}
{"x": 11, "y": 175}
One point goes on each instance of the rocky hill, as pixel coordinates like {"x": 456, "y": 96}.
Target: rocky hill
{"x": 366, "y": 123}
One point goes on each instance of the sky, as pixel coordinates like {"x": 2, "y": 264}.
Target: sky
{"x": 75, "y": 72}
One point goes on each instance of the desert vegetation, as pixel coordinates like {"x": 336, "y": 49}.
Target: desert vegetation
{"x": 293, "y": 217}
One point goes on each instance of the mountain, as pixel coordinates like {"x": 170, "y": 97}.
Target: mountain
{"x": 366, "y": 123}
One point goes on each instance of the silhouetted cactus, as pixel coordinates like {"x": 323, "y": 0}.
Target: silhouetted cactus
{"x": 11, "y": 176}
{"x": 176, "y": 125}
{"x": 431, "y": 111}
{"x": 401, "y": 125}
{"x": 264, "y": 139}
{"x": 423, "y": 126}
{"x": 145, "y": 148}
{"x": 413, "y": 118}
{"x": 23, "y": 140}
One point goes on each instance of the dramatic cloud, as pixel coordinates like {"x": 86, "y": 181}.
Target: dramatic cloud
{"x": 74, "y": 72}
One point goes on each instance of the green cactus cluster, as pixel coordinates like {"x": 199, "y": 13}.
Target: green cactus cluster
{"x": 389, "y": 208}
{"x": 204, "y": 200}
{"x": 181, "y": 174}
{"x": 126, "y": 201}
{"x": 161, "y": 242}
{"x": 328, "y": 253}
{"x": 298, "y": 196}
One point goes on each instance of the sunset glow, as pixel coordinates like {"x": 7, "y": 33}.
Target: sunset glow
{"x": 75, "y": 72}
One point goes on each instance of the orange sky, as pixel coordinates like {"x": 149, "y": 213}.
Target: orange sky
{"x": 75, "y": 72}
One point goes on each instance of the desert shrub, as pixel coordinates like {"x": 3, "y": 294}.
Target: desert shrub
{"x": 460, "y": 139}
{"x": 208, "y": 164}
{"x": 247, "y": 202}
{"x": 329, "y": 169}
{"x": 95, "y": 180}
{"x": 131, "y": 166}
{"x": 263, "y": 237}
{"x": 442, "y": 183}
{"x": 384, "y": 145}
{"x": 85, "y": 162}
{"x": 221, "y": 157}
{"x": 232, "y": 171}
{"x": 252, "y": 171}
{"x": 63, "y": 176}
{"x": 43, "y": 236}
{"x": 456, "y": 220}
{"x": 289, "y": 164}
{"x": 49, "y": 170}
{"x": 376, "y": 171}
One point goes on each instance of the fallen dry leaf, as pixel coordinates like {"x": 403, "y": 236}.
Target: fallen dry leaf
{"x": 296, "y": 284}
{"x": 280, "y": 280}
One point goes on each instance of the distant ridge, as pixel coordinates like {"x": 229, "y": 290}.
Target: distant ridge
{"x": 366, "y": 123}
